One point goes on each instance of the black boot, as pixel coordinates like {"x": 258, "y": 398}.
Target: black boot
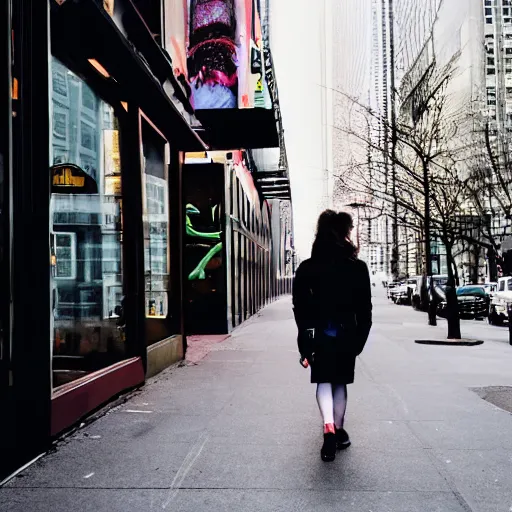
{"x": 328, "y": 451}
{"x": 342, "y": 439}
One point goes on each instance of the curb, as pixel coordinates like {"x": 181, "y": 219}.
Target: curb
{"x": 454, "y": 343}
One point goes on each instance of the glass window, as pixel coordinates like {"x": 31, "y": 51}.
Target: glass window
{"x": 156, "y": 223}
{"x": 59, "y": 82}
{"x": 65, "y": 256}
{"x": 86, "y": 225}
{"x": 88, "y": 136}
{"x": 60, "y": 125}
{"x": 88, "y": 98}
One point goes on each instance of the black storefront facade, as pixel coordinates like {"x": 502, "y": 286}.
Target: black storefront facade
{"x": 93, "y": 131}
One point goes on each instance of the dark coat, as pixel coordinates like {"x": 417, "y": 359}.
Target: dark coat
{"x": 333, "y": 287}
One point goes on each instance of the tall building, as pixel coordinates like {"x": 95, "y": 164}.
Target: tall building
{"x": 352, "y": 50}
{"x": 414, "y": 20}
{"x": 498, "y": 63}
{"x": 497, "y": 67}
{"x": 475, "y": 38}
{"x": 379, "y": 240}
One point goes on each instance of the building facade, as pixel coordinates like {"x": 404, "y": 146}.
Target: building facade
{"x": 95, "y": 129}
{"x": 471, "y": 37}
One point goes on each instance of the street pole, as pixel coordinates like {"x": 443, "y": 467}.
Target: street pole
{"x": 356, "y": 207}
{"x": 358, "y": 232}
{"x": 395, "y": 254}
{"x": 432, "y": 313}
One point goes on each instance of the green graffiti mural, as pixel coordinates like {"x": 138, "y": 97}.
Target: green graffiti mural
{"x": 192, "y": 210}
{"x": 199, "y": 272}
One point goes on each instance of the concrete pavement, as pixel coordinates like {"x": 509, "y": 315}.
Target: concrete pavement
{"x": 240, "y": 431}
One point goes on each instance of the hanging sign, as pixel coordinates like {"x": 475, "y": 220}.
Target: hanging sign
{"x": 71, "y": 179}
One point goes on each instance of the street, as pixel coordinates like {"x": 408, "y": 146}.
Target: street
{"x": 240, "y": 431}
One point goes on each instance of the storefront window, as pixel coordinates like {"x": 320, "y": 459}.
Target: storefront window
{"x": 86, "y": 220}
{"x": 156, "y": 223}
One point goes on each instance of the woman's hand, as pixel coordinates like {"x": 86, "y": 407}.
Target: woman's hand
{"x": 304, "y": 362}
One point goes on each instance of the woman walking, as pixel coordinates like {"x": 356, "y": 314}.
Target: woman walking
{"x": 333, "y": 311}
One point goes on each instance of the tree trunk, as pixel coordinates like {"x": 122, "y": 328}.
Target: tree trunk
{"x": 456, "y": 275}
{"x": 452, "y": 306}
{"x": 432, "y": 307}
{"x": 493, "y": 265}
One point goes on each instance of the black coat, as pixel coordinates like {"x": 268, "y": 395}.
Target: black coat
{"x": 333, "y": 289}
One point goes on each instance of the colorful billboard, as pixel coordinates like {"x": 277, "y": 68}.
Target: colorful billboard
{"x": 217, "y": 50}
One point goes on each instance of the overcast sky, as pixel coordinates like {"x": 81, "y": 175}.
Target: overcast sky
{"x": 317, "y": 47}
{"x": 297, "y": 49}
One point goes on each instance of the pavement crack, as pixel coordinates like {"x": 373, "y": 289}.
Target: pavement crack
{"x": 185, "y": 467}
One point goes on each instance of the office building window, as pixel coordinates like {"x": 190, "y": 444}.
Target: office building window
{"x": 65, "y": 256}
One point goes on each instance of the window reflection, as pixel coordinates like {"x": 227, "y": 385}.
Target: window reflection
{"x": 156, "y": 223}
{"x": 86, "y": 208}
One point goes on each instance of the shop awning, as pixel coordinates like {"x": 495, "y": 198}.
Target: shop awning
{"x": 234, "y": 128}
{"x": 84, "y": 31}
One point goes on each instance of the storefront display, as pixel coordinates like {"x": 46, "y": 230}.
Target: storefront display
{"x": 156, "y": 223}
{"x": 86, "y": 240}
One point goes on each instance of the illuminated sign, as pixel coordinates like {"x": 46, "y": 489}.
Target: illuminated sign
{"x": 69, "y": 178}
{"x": 112, "y": 155}
{"x": 216, "y": 46}
{"x": 66, "y": 177}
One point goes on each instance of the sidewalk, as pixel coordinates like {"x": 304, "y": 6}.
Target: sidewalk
{"x": 240, "y": 431}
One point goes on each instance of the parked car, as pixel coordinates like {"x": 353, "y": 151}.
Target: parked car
{"x": 399, "y": 294}
{"x": 391, "y": 287}
{"x": 404, "y": 292}
{"x": 491, "y": 289}
{"x": 500, "y": 300}
{"x": 473, "y": 302}
{"x": 421, "y": 303}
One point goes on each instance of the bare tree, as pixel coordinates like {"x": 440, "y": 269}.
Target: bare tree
{"x": 428, "y": 161}
{"x": 489, "y": 186}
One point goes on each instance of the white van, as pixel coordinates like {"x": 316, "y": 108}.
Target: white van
{"x": 503, "y": 296}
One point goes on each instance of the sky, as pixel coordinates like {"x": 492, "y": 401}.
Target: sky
{"x": 297, "y": 47}
{"x": 318, "y": 48}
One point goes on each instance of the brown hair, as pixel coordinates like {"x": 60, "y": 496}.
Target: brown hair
{"x": 332, "y": 234}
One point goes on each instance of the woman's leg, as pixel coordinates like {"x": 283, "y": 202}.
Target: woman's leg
{"x": 340, "y": 404}
{"x": 325, "y": 399}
